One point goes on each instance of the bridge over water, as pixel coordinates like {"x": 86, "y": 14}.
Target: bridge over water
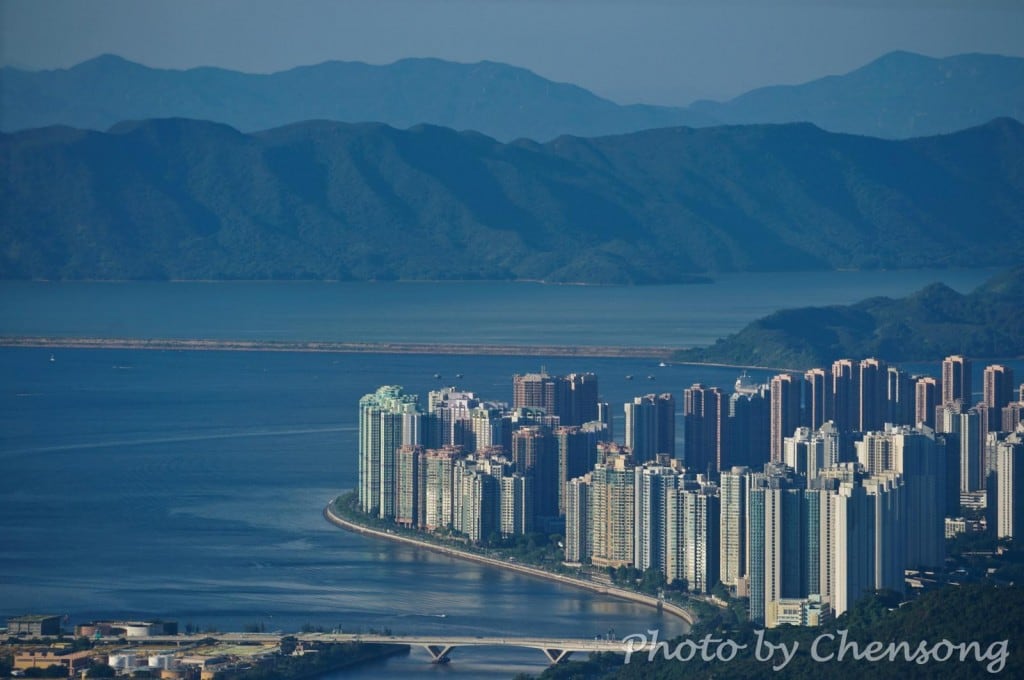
{"x": 440, "y": 647}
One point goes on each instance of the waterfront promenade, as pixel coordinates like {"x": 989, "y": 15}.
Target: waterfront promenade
{"x": 667, "y": 607}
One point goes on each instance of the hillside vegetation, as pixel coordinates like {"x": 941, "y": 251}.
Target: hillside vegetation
{"x": 186, "y": 199}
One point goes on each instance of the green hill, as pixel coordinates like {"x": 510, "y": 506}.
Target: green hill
{"x": 928, "y": 325}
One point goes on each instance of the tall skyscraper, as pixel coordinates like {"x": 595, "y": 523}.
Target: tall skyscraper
{"x": 998, "y": 392}
{"x": 867, "y": 536}
{"x": 577, "y": 519}
{"x": 577, "y": 450}
{"x": 845, "y": 395}
{"x": 479, "y": 501}
{"x": 805, "y": 452}
{"x": 972, "y": 451}
{"x": 770, "y": 543}
{"x": 573, "y": 398}
{"x": 388, "y": 419}
{"x": 439, "y": 469}
{"x": 1010, "y": 487}
{"x": 535, "y": 390}
{"x": 450, "y": 413}
{"x": 785, "y": 411}
{"x": 916, "y": 455}
{"x": 702, "y": 425}
{"x": 651, "y": 488}
{"x": 733, "y": 529}
{"x": 926, "y": 399}
{"x": 956, "y": 380}
{"x": 580, "y": 399}
{"x": 487, "y": 424}
{"x": 516, "y": 504}
{"x": 604, "y": 415}
{"x": 900, "y": 397}
{"x": 701, "y": 510}
{"x": 872, "y": 384}
{"x": 818, "y": 403}
{"x": 748, "y": 430}
{"x": 408, "y": 486}
{"x": 612, "y": 498}
{"x": 1012, "y": 416}
{"x": 650, "y": 426}
{"x": 535, "y": 453}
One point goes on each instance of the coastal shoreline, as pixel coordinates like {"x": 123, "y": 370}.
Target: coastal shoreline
{"x": 667, "y": 607}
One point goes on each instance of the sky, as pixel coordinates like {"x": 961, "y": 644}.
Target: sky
{"x": 652, "y": 51}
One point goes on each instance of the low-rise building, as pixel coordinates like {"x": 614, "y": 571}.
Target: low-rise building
{"x": 33, "y": 624}
{"x": 73, "y": 662}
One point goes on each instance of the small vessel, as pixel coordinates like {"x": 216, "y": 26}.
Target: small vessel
{"x": 53, "y": 359}
{"x": 629, "y": 377}
{"x": 662, "y": 364}
{"x": 437, "y": 375}
{"x": 458, "y": 375}
{"x": 650, "y": 377}
{"x": 746, "y": 385}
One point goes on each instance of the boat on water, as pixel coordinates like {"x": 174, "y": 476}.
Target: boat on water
{"x": 53, "y": 359}
{"x": 662, "y": 364}
{"x": 746, "y": 385}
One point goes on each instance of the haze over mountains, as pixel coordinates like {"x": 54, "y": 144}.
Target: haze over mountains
{"x": 188, "y": 199}
{"x": 896, "y": 96}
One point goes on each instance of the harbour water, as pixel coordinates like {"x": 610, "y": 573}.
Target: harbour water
{"x": 189, "y": 484}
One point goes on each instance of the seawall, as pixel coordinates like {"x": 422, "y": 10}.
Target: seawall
{"x": 681, "y": 612}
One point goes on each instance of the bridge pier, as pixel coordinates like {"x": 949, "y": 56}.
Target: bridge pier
{"x": 556, "y": 655}
{"x": 439, "y": 653}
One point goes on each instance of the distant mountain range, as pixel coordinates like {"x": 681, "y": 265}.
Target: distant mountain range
{"x": 899, "y": 95}
{"x": 502, "y": 101}
{"x": 926, "y": 326}
{"x": 188, "y": 199}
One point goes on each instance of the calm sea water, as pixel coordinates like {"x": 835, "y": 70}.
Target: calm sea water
{"x": 189, "y": 485}
{"x": 472, "y": 312}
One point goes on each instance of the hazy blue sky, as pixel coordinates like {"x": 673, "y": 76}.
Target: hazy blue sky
{"x": 656, "y": 51}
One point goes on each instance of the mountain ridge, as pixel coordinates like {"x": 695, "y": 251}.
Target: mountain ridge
{"x": 183, "y": 199}
{"x": 898, "y": 95}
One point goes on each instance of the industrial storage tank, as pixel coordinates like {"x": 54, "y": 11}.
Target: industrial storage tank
{"x": 163, "y": 661}
{"x": 121, "y": 661}
{"x": 135, "y": 629}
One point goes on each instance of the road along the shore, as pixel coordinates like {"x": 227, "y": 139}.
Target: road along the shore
{"x": 667, "y": 607}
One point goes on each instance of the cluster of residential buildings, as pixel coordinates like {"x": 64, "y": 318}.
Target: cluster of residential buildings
{"x": 801, "y": 494}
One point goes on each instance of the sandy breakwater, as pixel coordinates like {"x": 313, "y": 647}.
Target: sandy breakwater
{"x": 339, "y": 347}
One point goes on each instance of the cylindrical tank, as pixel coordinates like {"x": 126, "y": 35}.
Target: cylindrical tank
{"x": 137, "y": 630}
{"x": 121, "y": 661}
{"x": 163, "y": 661}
